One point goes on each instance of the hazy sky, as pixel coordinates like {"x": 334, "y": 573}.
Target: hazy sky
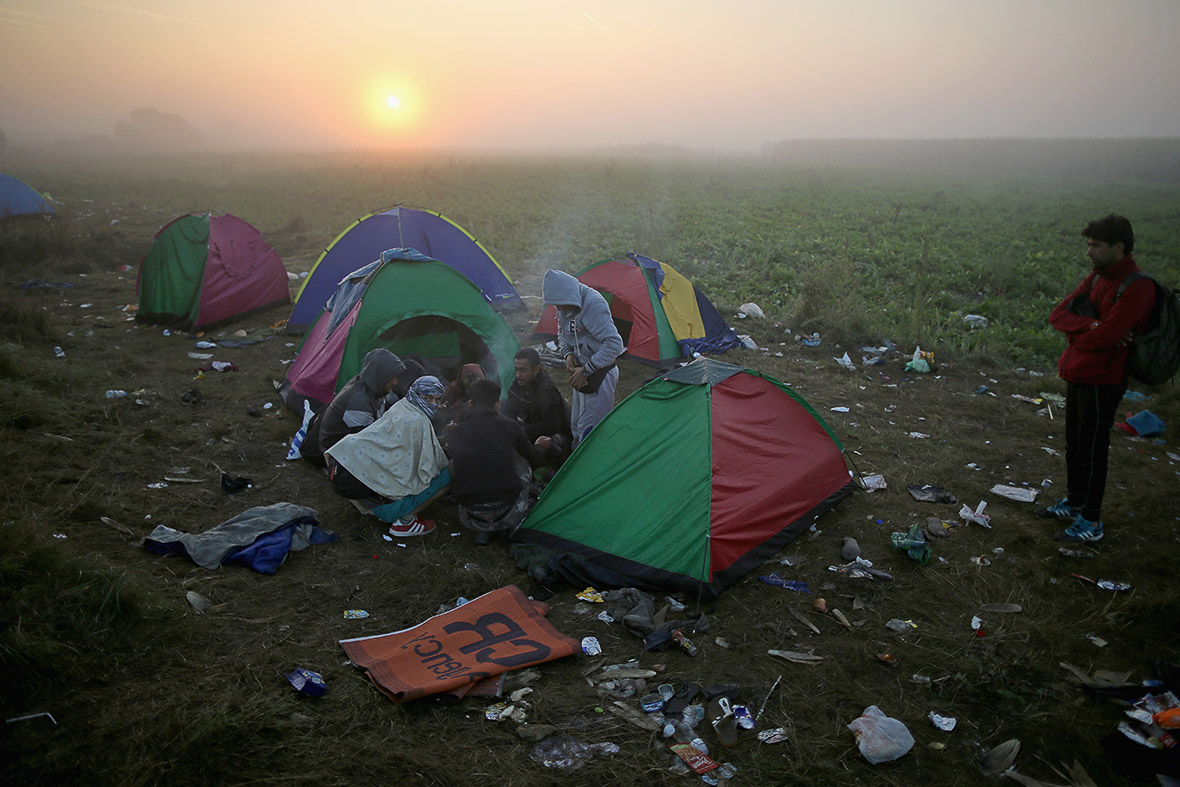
{"x": 531, "y": 74}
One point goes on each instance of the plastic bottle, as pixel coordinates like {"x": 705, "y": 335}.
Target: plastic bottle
{"x": 116, "y": 394}
{"x": 682, "y": 732}
{"x": 684, "y": 642}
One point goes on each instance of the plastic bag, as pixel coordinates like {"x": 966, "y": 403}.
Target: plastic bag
{"x": 566, "y": 753}
{"x": 880, "y": 738}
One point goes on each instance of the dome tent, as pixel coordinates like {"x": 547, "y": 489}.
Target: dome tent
{"x": 701, "y": 474}
{"x": 432, "y": 234}
{"x": 17, "y": 198}
{"x": 660, "y": 314}
{"x": 204, "y": 270}
{"x": 407, "y": 303}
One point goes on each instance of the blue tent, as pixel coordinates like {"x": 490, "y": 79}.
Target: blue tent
{"x": 17, "y": 197}
{"x": 433, "y": 234}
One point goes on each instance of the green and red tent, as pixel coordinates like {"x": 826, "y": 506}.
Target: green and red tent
{"x": 207, "y": 269}
{"x": 689, "y": 483}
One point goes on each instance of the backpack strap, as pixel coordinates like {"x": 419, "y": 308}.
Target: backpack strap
{"x": 1134, "y": 276}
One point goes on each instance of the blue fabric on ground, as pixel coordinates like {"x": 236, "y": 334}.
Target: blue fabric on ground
{"x": 270, "y": 550}
{"x": 1147, "y": 423}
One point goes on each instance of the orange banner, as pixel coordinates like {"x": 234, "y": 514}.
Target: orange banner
{"x": 496, "y": 632}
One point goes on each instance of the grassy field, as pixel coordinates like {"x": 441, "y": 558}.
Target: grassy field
{"x": 96, "y": 631}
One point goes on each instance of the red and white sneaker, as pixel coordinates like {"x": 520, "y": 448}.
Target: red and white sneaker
{"x": 404, "y": 528}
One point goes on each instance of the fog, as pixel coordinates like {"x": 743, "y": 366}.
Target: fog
{"x": 532, "y": 75}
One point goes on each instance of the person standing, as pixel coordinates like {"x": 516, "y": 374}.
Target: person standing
{"x": 1098, "y": 324}
{"x": 590, "y": 343}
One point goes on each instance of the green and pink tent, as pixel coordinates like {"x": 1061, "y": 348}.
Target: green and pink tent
{"x": 408, "y": 303}
{"x": 208, "y": 269}
{"x": 689, "y": 483}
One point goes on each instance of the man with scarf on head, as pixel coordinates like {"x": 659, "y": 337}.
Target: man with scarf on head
{"x": 590, "y": 343}
{"x": 454, "y": 402}
{"x": 361, "y": 401}
{"x": 395, "y": 466}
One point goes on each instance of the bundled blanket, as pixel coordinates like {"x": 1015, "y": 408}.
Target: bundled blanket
{"x": 259, "y": 538}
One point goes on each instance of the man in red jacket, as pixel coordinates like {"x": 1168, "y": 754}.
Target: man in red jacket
{"x": 1098, "y": 325}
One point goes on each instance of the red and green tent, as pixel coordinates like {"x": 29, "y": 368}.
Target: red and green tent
{"x": 661, "y": 315}
{"x": 208, "y": 269}
{"x": 689, "y": 483}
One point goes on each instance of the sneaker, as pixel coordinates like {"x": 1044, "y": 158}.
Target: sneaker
{"x": 404, "y": 528}
{"x": 1059, "y": 510}
{"x": 1081, "y": 531}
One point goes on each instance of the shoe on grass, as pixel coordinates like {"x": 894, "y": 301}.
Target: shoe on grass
{"x": 1081, "y": 531}
{"x": 405, "y": 528}
{"x": 1059, "y": 510}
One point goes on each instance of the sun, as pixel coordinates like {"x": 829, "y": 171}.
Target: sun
{"x": 392, "y": 102}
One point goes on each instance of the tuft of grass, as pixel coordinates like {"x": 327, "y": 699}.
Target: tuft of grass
{"x": 53, "y": 608}
{"x": 22, "y": 322}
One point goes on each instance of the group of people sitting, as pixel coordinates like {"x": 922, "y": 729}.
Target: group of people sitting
{"x": 395, "y": 438}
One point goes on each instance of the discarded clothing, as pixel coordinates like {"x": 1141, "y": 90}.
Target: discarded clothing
{"x": 259, "y": 538}
{"x": 41, "y": 284}
{"x": 1143, "y": 424}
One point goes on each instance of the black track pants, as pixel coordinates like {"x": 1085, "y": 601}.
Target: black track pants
{"x": 1089, "y": 416}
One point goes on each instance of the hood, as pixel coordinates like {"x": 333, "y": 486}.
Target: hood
{"x": 561, "y": 289}
{"x": 379, "y": 368}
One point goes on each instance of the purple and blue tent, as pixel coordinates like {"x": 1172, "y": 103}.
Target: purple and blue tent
{"x": 430, "y": 233}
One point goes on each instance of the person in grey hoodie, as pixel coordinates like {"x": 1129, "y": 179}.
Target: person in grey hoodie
{"x": 587, "y": 337}
{"x": 361, "y": 401}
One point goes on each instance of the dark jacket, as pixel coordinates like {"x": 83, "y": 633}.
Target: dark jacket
{"x": 1094, "y": 356}
{"x": 484, "y": 447}
{"x": 362, "y": 400}
{"x": 538, "y": 407}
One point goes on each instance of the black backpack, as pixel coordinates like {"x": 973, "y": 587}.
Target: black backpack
{"x": 1155, "y": 352}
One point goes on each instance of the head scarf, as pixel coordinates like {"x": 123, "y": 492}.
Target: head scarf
{"x": 422, "y": 387}
{"x": 457, "y": 391}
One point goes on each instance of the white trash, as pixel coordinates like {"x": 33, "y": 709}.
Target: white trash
{"x": 975, "y": 320}
{"x": 880, "y": 738}
{"x": 1018, "y": 493}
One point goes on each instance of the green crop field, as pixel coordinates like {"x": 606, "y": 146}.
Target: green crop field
{"x": 856, "y": 252}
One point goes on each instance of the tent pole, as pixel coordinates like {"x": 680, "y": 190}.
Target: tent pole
{"x": 859, "y": 474}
